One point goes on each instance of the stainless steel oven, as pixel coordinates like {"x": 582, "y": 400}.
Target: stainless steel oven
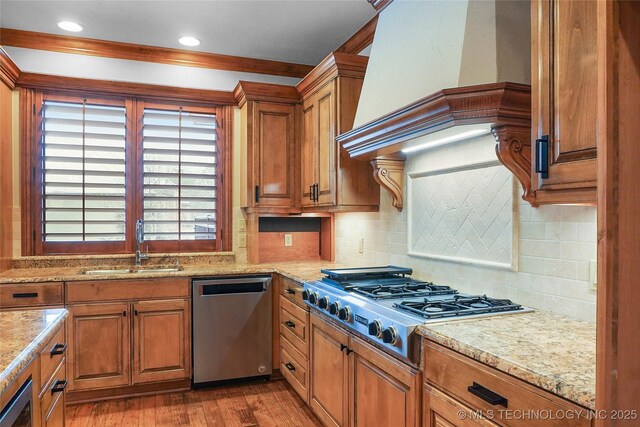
{"x": 18, "y": 412}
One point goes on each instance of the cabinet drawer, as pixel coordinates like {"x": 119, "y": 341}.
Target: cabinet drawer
{"x": 126, "y": 289}
{"x": 292, "y": 291}
{"x": 455, "y": 374}
{"x": 54, "y": 387}
{"x": 51, "y": 356}
{"x": 294, "y": 367}
{"x": 31, "y": 294}
{"x": 294, "y": 325}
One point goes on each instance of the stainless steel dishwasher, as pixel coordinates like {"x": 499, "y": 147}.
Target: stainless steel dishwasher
{"x": 231, "y": 328}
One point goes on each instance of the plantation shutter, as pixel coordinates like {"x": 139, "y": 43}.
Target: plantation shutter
{"x": 180, "y": 175}
{"x": 83, "y": 172}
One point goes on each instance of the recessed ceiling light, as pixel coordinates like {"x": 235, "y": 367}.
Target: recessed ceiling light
{"x": 189, "y": 41}
{"x": 70, "y": 26}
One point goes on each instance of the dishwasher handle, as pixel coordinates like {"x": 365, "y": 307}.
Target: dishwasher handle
{"x": 222, "y": 286}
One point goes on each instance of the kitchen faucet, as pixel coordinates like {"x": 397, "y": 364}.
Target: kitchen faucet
{"x": 139, "y": 241}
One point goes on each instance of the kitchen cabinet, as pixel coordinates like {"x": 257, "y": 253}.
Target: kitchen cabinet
{"x": 125, "y": 335}
{"x": 31, "y": 295}
{"x": 268, "y": 123}
{"x": 99, "y": 345}
{"x": 293, "y": 321}
{"x": 456, "y": 382}
{"x": 564, "y": 100}
{"x": 329, "y": 373}
{"x": 354, "y": 384}
{"x": 161, "y": 344}
{"x": 330, "y": 180}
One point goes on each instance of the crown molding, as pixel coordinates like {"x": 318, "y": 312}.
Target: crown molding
{"x": 9, "y": 71}
{"x": 137, "y": 52}
{"x": 336, "y": 64}
{"x": 361, "y": 39}
{"x": 267, "y": 92}
{"x": 115, "y": 88}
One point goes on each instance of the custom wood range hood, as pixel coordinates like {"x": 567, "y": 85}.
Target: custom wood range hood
{"x": 474, "y": 95}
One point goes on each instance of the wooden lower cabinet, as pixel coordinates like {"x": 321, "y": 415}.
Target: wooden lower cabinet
{"x": 441, "y": 410}
{"x": 55, "y": 417}
{"x": 161, "y": 340}
{"x": 329, "y": 373}
{"x": 99, "y": 345}
{"x": 354, "y": 384}
{"x": 122, "y": 344}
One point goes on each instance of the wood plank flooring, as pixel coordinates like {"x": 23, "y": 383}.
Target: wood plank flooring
{"x": 272, "y": 403}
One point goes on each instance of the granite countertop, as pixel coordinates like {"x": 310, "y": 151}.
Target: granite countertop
{"x": 299, "y": 270}
{"x": 23, "y": 334}
{"x": 553, "y": 352}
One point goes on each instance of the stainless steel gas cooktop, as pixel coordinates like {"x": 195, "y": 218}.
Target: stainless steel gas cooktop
{"x": 385, "y": 304}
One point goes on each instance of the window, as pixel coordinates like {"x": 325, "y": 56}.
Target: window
{"x": 100, "y": 164}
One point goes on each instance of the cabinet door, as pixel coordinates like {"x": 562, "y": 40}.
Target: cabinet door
{"x": 161, "y": 340}
{"x": 308, "y": 150}
{"x": 100, "y": 353}
{"x": 384, "y": 392}
{"x": 272, "y": 146}
{"x": 441, "y": 410}
{"x": 327, "y": 145}
{"x": 329, "y": 370}
{"x": 564, "y": 89}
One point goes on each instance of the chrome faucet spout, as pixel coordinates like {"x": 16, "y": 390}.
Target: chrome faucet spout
{"x": 139, "y": 241}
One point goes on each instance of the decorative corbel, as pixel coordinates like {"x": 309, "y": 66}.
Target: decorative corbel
{"x": 513, "y": 149}
{"x": 388, "y": 171}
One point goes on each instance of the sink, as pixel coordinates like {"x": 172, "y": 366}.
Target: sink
{"x": 157, "y": 270}
{"x": 109, "y": 271}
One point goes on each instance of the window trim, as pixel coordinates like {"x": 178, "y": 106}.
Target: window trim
{"x": 31, "y": 102}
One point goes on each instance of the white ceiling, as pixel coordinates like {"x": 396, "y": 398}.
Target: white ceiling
{"x": 300, "y": 31}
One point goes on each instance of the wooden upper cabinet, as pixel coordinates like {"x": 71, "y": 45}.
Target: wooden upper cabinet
{"x": 564, "y": 99}
{"x": 268, "y": 134}
{"x": 330, "y": 179}
{"x": 99, "y": 346}
{"x": 161, "y": 341}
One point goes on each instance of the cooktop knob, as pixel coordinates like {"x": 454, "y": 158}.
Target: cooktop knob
{"x": 390, "y": 335}
{"x": 323, "y": 302}
{"x": 375, "y": 328}
{"x": 305, "y": 295}
{"x": 344, "y": 314}
{"x": 314, "y": 297}
{"x": 334, "y": 307}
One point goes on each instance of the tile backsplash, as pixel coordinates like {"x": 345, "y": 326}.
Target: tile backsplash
{"x": 556, "y": 245}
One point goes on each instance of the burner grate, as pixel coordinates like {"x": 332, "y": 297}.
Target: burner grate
{"x": 457, "y": 306}
{"x": 405, "y": 289}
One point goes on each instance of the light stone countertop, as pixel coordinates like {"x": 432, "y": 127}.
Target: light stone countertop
{"x": 552, "y": 352}
{"x": 23, "y": 334}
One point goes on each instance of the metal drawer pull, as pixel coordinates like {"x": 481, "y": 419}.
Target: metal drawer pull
{"x": 487, "y": 395}
{"x": 289, "y": 366}
{"x": 58, "y": 349}
{"x": 59, "y": 386}
{"x": 26, "y": 295}
{"x": 289, "y": 324}
{"x": 290, "y": 291}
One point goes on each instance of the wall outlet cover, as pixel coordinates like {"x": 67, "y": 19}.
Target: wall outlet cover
{"x": 242, "y": 241}
{"x": 242, "y": 224}
{"x": 361, "y": 245}
{"x": 288, "y": 239}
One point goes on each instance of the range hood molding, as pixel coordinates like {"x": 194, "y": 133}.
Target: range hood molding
{"x": 504, "y": 106}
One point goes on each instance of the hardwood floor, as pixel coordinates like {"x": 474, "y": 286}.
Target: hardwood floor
{"x": 271, "y": 403}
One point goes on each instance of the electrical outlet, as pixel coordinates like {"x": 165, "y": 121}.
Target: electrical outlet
{"x": 593, "y": 274}
{"x": 242, "y": 225}
{"x": 361, "y": 245}
{"x": 242, "y": 241}
{"x": 288, "y": 240}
